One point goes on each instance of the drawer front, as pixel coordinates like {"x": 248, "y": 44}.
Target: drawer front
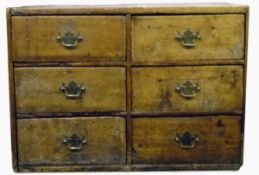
{"x": 71, "y": 141}
{"x": 169, "y": 38}
{"x": 40, "y": 90}
{"x": 188, "y": 89}
{"x": 184, "y": 140}
{"x": 68, "y": 38}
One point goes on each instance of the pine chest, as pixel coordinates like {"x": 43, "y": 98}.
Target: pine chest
{"x": 126, "y": 88}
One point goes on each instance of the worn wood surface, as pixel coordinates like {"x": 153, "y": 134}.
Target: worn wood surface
{"x": 154, "y": 140}
{"x": 177, "y": 8}
{"x": 38, "y": 89}
{"x": 245, "y": 80}
{"x": 125, "y": 17}
{"x": 12, "y": 92}
{"x": 154, "y": 37}
{"x": 135, "y": 64}
{"x": 35, "y": 38}
{"x": 40, "y": 141}
{"x": 154, "y": 89}
{"x": 129, "y": 89}
{"x": 135, "y": 167}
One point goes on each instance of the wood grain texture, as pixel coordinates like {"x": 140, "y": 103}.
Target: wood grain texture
{"x": 154, "y": 89}
{"x": 154, "y": 37}
{"x": 178, "y": 8}
{"x": 35, "y": 38}
{"x": 11, "y": 91}
{"x": 245, "y": 81}
{"x": 129, "y": 88}
{"x": 154, "y": 140}
{"x": 38, "y": 89}
{"x": 40, "y": 141}
{"x": 111, "y": 31}
{"x": 135, "y": 167}
{"x": 135, "y": 64}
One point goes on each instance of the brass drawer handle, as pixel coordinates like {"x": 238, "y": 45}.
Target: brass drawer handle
{"x": 74, "y": 143}
{"x": 72, "y": 90}
{"x": 69, "y": 40}
{"x": 188, "y": 89}
{"x": 188, "y": 38}
{"x": 187, "y": 140}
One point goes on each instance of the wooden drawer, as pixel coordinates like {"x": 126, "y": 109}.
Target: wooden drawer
{"x": 188, "y": 89}
{"x": 71, "y": 141}
{"x": 154, "y": 38}
{"x": 184, "y": 140}
{"x": 58, "y": 89}
{"x": 34, "y": 38}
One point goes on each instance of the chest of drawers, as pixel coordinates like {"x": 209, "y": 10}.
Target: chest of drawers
{"x": 126, "y": 88}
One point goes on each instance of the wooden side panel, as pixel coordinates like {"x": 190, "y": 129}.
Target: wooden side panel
{"x": 40, "y": 141}
{"x": 154, "y": 37}
{"x": 38, "y": 89}
{"x": 221, "y": 89}
{"x": 11, "y": 90}
{"x": 154, "y": 140}
{"x": 35, "y": 38}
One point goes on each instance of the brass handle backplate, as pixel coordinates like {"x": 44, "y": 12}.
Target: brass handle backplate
{"x": 69, "y": 40}
{"x": 188, "y": 89}
{"x": 187, "y": 140}
{"x": 188, "y": 38}
{"x": 74, "y": 143}
{"x": 72, "y": 90}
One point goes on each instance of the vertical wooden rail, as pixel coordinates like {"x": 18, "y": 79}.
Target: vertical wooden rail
{"x": 244, "y": 84}
{"x": 129, "y": 88}
{"x": 12, "y": 92}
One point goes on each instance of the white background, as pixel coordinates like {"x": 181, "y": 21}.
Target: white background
{"x": 251, "y": 163}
